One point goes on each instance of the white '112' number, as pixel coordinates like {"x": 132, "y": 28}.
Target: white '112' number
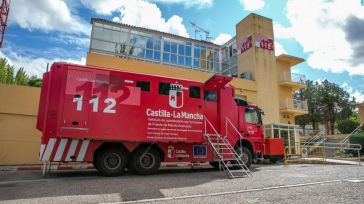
{"x": 95, "y": 104}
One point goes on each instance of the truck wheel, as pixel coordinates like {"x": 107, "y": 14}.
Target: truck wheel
{"x": 245, "y": 155}
{"x": 215, "y": 165}
{"x": 145, "y": 163}
{"x": 110, "y": 162}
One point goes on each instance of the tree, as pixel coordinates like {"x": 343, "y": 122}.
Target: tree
{"x": 310, "y": 95}
{"x": 3, "y": 71}
{"x": 9, "y": 74}
{"x": 335, "y": 104}
{"x": 327, "y": 102}
{"x": 35, "y": 81}
{"x": 347, "y": 126}
{"x": 20, "y": 78}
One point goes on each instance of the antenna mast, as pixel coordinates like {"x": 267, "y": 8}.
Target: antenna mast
{"x": 4, "y": 13}
{"x": 198, "y": 29}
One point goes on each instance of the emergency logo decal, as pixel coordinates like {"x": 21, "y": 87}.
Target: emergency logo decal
{"x": 176, "y": 95}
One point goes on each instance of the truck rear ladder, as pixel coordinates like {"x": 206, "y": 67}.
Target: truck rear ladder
{"x": 223, "y": 148}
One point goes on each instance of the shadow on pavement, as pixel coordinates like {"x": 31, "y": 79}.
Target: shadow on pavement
{"x": 89, "y": 182}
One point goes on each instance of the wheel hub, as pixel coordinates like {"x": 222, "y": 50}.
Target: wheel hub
{"x": 147, "y": 161}
{"x": 112, "y": 161}
{"x": 243, "y": 156}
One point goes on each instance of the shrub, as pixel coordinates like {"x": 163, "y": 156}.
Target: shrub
{"x": 347, "y": 126}
{"x": 358, "y": 138}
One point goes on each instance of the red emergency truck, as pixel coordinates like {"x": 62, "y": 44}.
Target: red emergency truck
{"x": 122, "y": 120}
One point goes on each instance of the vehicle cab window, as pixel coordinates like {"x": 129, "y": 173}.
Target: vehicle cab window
{"x": 251, "y": 116}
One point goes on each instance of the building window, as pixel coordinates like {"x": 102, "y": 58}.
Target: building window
{"x": 144, "y": 85}
{"x": 151, "y": 47}
{"x": 194, "y": 92}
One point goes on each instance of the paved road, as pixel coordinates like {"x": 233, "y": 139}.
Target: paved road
{"x": 271, "y": 184}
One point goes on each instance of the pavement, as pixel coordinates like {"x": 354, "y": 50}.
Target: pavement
{"x": 296, "y": 183}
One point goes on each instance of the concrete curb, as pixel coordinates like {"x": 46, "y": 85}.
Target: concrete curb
{"x": 38, "y": 167}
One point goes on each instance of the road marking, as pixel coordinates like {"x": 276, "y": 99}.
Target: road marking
{"x": 234, "y": 192}
{"x": 354, "y": 180}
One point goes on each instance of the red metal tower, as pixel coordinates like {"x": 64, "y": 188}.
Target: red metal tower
{"x": 3, "y": 18}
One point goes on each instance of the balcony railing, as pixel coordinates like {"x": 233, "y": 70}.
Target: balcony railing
{"x": 294, "y": 104}
{"x": 295, "y": 78}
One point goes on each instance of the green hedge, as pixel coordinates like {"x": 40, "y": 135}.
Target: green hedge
{"x": 358, "y": 138}
{"x": 347, "y": 126}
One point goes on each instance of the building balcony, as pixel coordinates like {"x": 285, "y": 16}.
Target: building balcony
{"x": 293, "y": 106}
{"x": 294, "y": 81}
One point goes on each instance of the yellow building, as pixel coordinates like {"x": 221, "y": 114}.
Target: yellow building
{"x": 259, "y": 76}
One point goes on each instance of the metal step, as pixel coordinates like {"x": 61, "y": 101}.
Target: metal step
{"x": 226, "y": 153}
{"x": 211, "y": 135}
{"x": 218, "y": 143}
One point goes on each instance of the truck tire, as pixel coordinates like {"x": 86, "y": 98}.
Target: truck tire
{"x": 110, "y": 161}
{"x": 145, "y": 163}
{"x": 215, "y": 165}
{"x": 245, "y": 155}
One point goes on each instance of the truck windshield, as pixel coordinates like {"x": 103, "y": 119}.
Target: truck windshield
{"x": 251, "y": 116}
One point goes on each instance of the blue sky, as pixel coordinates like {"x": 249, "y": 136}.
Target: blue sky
{"x": 327, "y": 34}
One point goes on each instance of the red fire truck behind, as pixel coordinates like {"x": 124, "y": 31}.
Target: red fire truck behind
{"x": 121, "y": 120}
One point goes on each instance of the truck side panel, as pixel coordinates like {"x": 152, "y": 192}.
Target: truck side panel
{"x": 42, "y": 101}
{"x": 108, "y": 105}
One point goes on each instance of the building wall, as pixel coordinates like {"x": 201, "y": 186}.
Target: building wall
{"x": 283, "y": 91}
{"x": 19, "y": 138}
{"x": 261, "y": 63}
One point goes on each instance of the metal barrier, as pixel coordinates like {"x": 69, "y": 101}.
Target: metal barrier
{"x": 323, "y": 153}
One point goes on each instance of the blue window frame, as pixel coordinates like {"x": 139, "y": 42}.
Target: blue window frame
{"x": 165, "y": 57}
{"x": 167, "y": 46}
{"x": 188, "y": 51}
{"x": 149, "y": 54}
{"x": 188, "y": 61}
{"x": 174, "y": 48}
{"x": 181, "y": 60}
{"x": 157, "y": 55}
{"x": 181, "y": 49}
{"x": 173, "y": 59}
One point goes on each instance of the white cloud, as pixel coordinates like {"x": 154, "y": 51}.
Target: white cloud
{"x": 252, "y": 5}
{"x": 187, "y": 3}
{"x": 222, "y": 39}
{"x": 279, "y": 49}
{"x": 139, "y": 13}
{"x": 46, "y": 15}
{"x": 103, "y": 7}
{"x": 148, "y": 15}
{"x": 69, "y": 39}
{"x": 35, "y": 66}
{"x": 106, "y": 7}
{"x": 359, "y": 97}
{"x": 319, "y": 26}
{"x": 281, "y": 31}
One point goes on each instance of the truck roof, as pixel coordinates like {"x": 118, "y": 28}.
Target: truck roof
{"x": 217, "y": 79}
